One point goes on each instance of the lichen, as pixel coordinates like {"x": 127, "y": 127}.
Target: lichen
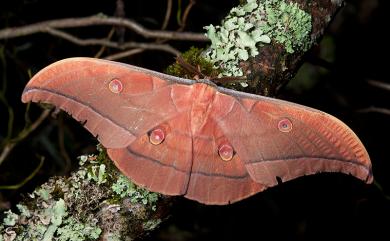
{"x": 97, "y": 174}
{"x": 94, "y": 199}
{"x": 74, "y": 230}
{"x": 252, "y": 25}
{"x": 123, "y": 187}
{"x": 10, "y": 218}
{"x": 42, "y": 192}
{"x": 151, "y": 224}
{"x": 288, "y": 25}
{"x": 114, "y": 237}
{"x": 24, "y": 211}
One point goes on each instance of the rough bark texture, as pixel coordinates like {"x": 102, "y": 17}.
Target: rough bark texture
{"x": 273, "y": 67}
{"x": 94, "y": 203}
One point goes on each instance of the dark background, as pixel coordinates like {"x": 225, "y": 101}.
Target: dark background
{"x": 335, "y": 79}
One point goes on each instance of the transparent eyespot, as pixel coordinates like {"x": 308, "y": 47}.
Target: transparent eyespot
{"x": 156, "y": 136}
{"x": 115, "y": 86}
{"x": 226, "y": 152}
{"x": 285, "y": 125}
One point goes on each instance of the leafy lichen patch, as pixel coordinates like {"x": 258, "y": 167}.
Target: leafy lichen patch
{"x": 73, "y": 208}
{"x": 250, "y": 26}
{"x": 125, "y": 188}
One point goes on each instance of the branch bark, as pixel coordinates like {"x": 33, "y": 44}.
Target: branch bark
{"x": 112, "y": 44}
{"x": 43, "y": 27}
{"x": 273, "y": 67}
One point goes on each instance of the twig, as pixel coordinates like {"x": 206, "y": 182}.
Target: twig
{"x": 120, "y": 13}
{"x": 99, "y": 20}
{"x": 61, "y": 144}
{"x": 108, "y": 43}
{"x": 23, "y": 134}
{"x": 21, "y": 184}
{"x": 185, "y": 15}
{"x": 103, "y": 48}
{"x": 167, "y": 15}
{"x": 379, "y": 84}
{"x": 375, "y": 109}
{"x": 124, "y": 54}
{"x": 82, "y": 42}
{"x": 152, "y": 46}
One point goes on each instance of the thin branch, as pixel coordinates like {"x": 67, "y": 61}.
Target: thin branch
{"x": 152, "y": 46}
{"x": 28, "y": 178}
{"x": 23, "y": 134}
{"x": 61, "y": 144}
{"x": 82, "y": 42}
{"x": 379, "y": 84}
{"x": 374, "y": 109}
{"x": 124, "y": 54}
{"x": 111, "y": 44}
{"x": 103, "y": 48}
{"x": 185, "y": 14}
{"x": 120, "y": 13}
{"x": 167, "y": 15}
{"x": 98, "y": 20}
{"x": 6, "y": 150}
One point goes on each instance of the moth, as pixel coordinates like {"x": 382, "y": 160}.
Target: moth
{"x": 184, "y": 137}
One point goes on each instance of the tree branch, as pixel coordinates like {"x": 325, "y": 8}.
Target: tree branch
{"x": 167, "y": 15}
{"x": 379, "y": 84}
{"x": 43, "y": 27}
{"x": 274, "y": 66}
{"x": 23, "y": 134}
{"x": 111, "y": 44}
{"x": 374, "y": 109}
{"x": 124, "y": 54}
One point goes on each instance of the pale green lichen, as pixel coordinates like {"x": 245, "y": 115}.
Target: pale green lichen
{"x": 10, "y": 218}
{"x": 49, "y": 219}
{"x": 42, "y": 192}
{"x": 114, "y": 237}
{"x": 56, "y": 213}
{"x": 73, "y": 208}
{"x": 288, "y": 25}
{"x": 125, "y": 188}
{"x": 97, "y": 174}
{"x": 73, "y": 230}
{"x": 151, "y": 224}
{"x": 24, "y": 211}
{"x": 250, "y": 26}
